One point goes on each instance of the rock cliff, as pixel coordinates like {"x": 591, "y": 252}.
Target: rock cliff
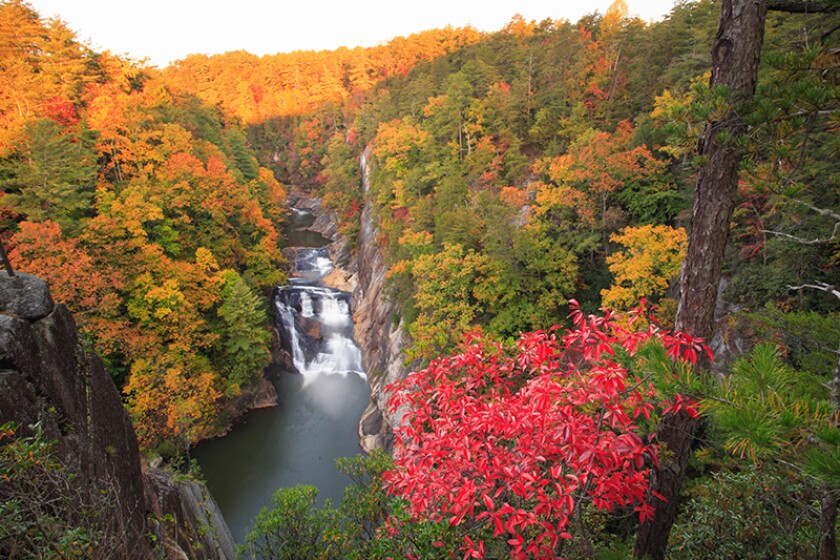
{"x": 379, "y": 330}
{"x": 49, "y": 384}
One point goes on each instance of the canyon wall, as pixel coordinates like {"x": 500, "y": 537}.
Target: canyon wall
{"x": 379, "y": 331}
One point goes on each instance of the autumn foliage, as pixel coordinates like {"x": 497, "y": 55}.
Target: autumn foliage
{"x": 516, "y": 442}
{"x": 149, "y": 216}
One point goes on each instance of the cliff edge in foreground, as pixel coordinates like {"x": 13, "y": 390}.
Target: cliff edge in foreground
{"x": 93, "y": 486}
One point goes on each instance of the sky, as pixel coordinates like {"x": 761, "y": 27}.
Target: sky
{"x": 163, "y": 31}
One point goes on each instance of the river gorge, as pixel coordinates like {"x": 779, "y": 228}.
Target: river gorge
{"x": 322, "y": 392}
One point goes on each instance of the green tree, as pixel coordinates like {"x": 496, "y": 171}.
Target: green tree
{"x": 769, "y": 413}
{"x": 244, "y": 342}
{"x": 451, "y": 286}
{"x": 294, "y": 529}
{"x": 51, "y": 177}
{"x": 753, "y": 513}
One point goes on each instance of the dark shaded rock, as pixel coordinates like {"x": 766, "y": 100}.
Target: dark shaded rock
{"x": 61, "y": 373}
{"x": 47, "y": 378}
{"x": 17, "y": 399}
{"x": 25, "y": 295}
{"x": 112, "y": 432}
{"x": 371, "y": 422}
{"x": 264, "y": 395}
{"x": 188, "y": 518}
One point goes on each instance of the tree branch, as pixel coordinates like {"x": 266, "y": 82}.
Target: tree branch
{"x": 802, "y": 241}
{"x": 804, "y": 6}
{"x": 822, "y": 211}
{"x": 822, "y": 286}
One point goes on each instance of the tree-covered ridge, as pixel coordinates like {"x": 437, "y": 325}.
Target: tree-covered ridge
{"x": 557, "y": 160}
{"x": 511, "y": 172}
{"x": 147, "y": 213}
{"x": 545, "y": 140}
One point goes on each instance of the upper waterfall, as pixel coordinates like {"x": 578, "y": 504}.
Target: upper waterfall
{"x": 315, "y": 323}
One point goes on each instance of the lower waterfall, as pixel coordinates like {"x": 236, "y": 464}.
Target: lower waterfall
{"x": 320, "y": 402}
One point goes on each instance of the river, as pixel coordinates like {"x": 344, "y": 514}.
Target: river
{"x": 319, "y": 408}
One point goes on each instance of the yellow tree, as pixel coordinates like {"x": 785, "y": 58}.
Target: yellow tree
{"x": 651, "y": 258}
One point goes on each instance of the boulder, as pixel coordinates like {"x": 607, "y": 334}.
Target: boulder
{"x": 25, "y": 295}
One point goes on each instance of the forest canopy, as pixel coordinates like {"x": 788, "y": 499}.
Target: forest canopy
{"x": 510, "y": 174}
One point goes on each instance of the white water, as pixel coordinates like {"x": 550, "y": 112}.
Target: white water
{"x": 320, "y": 405}
{"x": 317, "y": 323}
{"x": 311, "y": 265}
{"x": 288, "y": 320}
{"x": 335, "y": 312}
{"x": 306, "y": 305}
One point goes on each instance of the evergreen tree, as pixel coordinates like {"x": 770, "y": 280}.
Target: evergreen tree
{"x": 51, "y": 177}
{"x": 245, "y": 339}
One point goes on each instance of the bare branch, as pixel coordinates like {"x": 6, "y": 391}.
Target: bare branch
{"x": 822, "y": 211}
{"x": 822, "y": 286}
{"x": 804, "y": 6}
{"x": 802, "y": 241}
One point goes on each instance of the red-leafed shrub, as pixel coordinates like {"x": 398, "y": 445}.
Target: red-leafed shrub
{"x": 515, "y": 442}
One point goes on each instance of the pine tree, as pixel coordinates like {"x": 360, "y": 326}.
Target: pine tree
{"x": 244, "y": 344}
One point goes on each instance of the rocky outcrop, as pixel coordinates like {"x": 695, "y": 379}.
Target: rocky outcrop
{"x": 263, "y": 395}
{"x": 26, "y": 296}
{"x": 49, "y": 384}
{"x": 46, "y": 379}
{"x": 188, "y": 517}
{"x": 379, "y": 330}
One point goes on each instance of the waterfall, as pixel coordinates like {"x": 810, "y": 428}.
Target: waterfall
{"x": 292, "y": 336}
{"x": 312, "y": 264}
{"x": 315, "y": 322}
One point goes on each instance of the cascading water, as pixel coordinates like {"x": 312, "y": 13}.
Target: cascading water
{"x": 311, "y": 265}
{"x": 321, "y": 402}
{"x": 315, "y": 324}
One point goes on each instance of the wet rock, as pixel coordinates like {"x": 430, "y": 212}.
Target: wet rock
{"x": 341, "y": 279}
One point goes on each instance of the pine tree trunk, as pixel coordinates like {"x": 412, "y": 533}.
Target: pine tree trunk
{"x": 828, "y": 501}
{"x": 676, "y": 433}
{"x": 828, "y": 521}
{"x": 735, "y": 56}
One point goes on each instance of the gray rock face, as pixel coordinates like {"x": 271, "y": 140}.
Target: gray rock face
{"x": 195, "y": 513}
{"x": 46, "y": 378}
{"x": 25, "y": 295}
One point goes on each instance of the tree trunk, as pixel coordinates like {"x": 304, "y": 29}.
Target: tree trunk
{"x": 735, "y": 56}
{"x": 828, "y": 521}
{"x": 676, "y": 433}
{"x": 828, "y": 501}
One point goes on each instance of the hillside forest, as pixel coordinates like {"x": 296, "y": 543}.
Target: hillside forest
{"x": 539, "y": 179}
